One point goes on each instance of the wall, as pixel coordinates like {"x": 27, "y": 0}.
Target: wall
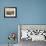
{"x": 28, "y": 12}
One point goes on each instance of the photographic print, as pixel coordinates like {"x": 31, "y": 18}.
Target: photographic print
{"x": 10, "y": 12}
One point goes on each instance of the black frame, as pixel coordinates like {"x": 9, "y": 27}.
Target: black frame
{"x": 10, "y": 16}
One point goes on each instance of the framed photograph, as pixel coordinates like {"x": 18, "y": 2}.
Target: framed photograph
{"x": 10, "y": 12}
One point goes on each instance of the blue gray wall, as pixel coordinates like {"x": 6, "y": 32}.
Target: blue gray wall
{"x": 28, "y": 12}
